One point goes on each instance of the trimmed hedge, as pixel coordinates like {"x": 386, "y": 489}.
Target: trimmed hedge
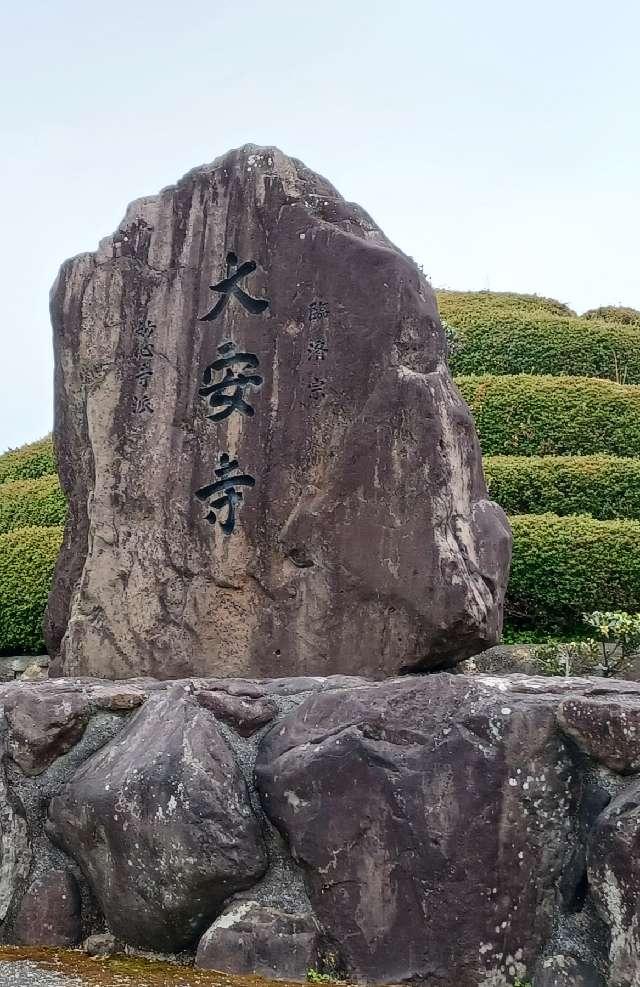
{"x": 606, "y": 487}
{"x": 31, "y": 503}
{"x": 29, "y": 462}
{"x": 489, "y": 340}
{"x": 615, "y": 313}
{"x": 527, "y": 415}
{"x": 449, "y": 301}
{"x": 565, "y": 566}
{"x": 27, "y": 560}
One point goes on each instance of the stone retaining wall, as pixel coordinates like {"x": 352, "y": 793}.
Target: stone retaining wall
{"x": 436, "y": 829}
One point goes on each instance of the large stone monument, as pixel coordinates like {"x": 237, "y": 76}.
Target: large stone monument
{"x": 268, "y": 466}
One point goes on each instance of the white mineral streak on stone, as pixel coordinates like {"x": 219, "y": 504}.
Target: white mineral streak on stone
{"x": 624, "y": 951}
{"x": 15, "y": 848}
{"x": 229, "y": 918}
{"x": 294, "y": 800}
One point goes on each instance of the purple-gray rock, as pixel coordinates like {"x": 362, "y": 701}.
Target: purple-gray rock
{"x": 614, "y": 879}
{"x": 605, "y": 727}
{"x": 560, "y": 970}
{"x": 49, "y": 913}
{"x": 16, "y": 851}
{"x": 44, "y": 723}
{"x": 245, "y": 715}
{"x": 432, "y": 818}
{"x": 249, "y": 938}
{"x": 161, "y": 824}
{"x": 269, "y": 469}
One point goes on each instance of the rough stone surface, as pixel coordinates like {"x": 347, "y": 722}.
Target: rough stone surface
{"x": 567, "y": 971}
{"x": 392, "y": 796}
{"x": 15, "y": 845}
{"x": 116, "y": 697}
{"x": 441, "y": 829}
{"x": 43, "y": 724}
{"x": 49, "y": 913}
{"x": 102, "y": 944}
{"x": 22, "y": 973}
{"x": 605, "y": 728}
{"x": 614, "y": 876}
{"x": 244, "y": 715}
{"x": 161, "y": 824}
{"x": 367, "y": 544}
{"x": 253, "y": 939}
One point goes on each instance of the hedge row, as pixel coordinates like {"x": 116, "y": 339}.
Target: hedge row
{"x": 565, "y": 566}
{"x": 29, "y": 462}
{"x": 606, "y": 487}
{"x": 27, "y": 560}
{"x": 615, "y": 313}
{"x": 486, "y": 340}
{"x": 562, "y": 567}
{"x": 31, "y": 503}
{"x": 449, "y": 301}
{"x": 529, "y": 415}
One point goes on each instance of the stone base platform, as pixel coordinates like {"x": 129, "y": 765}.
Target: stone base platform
{"x": 431, "y": 829}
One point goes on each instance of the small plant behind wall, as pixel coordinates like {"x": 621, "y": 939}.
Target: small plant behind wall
{"x": 618, "y": 639}
{"x": 609, "y": 653}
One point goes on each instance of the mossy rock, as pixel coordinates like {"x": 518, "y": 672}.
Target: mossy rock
{"x": 606, "y": 487}
{"x": 28, "y": 462}
{"x": 529, "y": 415}
{"x": 32, "y": 503}
{"x": 27, "y": 562}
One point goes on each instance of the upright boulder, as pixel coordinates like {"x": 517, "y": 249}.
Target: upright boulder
{"x": 161, "y": 825}
{"x": 269, "y": 469}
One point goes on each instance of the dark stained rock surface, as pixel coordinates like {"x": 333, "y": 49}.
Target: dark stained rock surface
{"x": 443, "y": 830}
{"x": 244, "y": 715}
{"x": 606, "y": 728}
{"x": 116, "y": 696}
{"x": 161, "y": 824}
{"x": 255, "y": 939}
{"x": 49, "y": 913}
{"x": 366, "y": 543}
{"x": 43, "y": 724}
{"x": 614, "y": 876}
{"x": 16, "y": 851}
{"x": 431, "y": 818}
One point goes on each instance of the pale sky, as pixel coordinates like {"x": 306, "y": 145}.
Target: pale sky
{"x": 497, "y": 142}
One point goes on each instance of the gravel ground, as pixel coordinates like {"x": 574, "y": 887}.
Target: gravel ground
{"x": 21, "y": 973}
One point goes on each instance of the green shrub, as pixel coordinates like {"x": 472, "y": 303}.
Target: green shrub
{"x": 450, "y": 301}
{"x": 489, "y": 340}
{"x": 526, "y": 415}
{"x": 564, "y": 566}
{"x": 615, "y": 313}
{"x": 28, "y": 462}
{"x": 31, "y": 503}
{"x": 27, "y": 560}
{"x": 605, "y": 487}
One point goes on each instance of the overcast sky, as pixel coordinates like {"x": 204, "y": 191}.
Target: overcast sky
{"x": 497, "y": 142}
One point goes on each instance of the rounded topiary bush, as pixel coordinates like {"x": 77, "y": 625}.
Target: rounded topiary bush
{"x": 605, "y": 487}
{"x": 28, "y": 462}
{"x": 453, "y": 301}
{"x": 615, "y": 313}
{"x": 565, "y": 566}
{"x": 31, "y": 503}
{"x": 27, "y": 561}
{"x": 489, "y": 340}
{"x": 528, "y": 415}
